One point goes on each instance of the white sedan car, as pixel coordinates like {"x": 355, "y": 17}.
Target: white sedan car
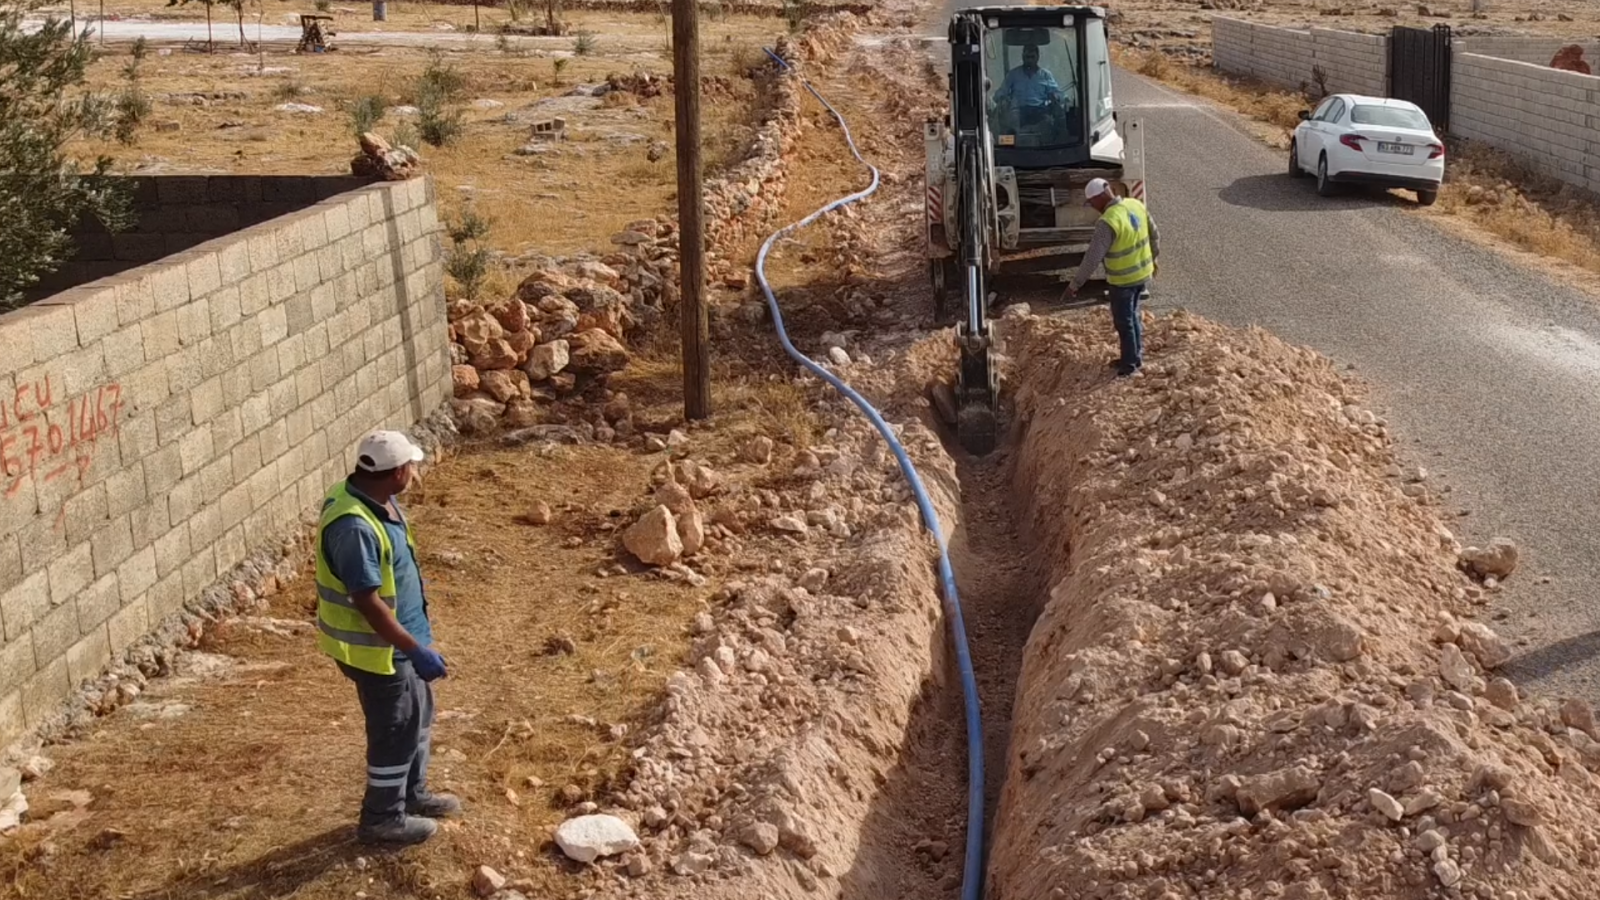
{"x": 1352, "y": 139}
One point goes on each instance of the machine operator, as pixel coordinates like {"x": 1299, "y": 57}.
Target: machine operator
{"x": 1029, "y": 88}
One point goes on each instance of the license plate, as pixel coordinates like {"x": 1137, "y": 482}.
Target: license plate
{"x": 1403, "y": 149}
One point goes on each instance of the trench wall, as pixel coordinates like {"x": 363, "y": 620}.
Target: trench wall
{"x": 158, "y": 424}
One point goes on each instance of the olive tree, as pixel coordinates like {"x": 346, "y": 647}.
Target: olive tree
{"x": 44, "y": 191}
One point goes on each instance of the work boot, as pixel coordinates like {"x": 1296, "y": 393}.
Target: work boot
{"x": 401, "y": 832}
{"x": 434, "y": 806}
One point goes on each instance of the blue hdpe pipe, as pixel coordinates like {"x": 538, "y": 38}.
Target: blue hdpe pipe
{"x": 972, "y": 873}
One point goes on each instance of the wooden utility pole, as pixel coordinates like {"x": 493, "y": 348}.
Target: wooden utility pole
{"x": 691, "y": 248}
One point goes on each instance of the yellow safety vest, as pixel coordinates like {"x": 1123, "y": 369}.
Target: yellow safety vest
{"x": 344, "y": 632}
{"x": 1129, "y": 260}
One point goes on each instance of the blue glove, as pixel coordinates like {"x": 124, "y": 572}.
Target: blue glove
{"x": 428, "y": 663}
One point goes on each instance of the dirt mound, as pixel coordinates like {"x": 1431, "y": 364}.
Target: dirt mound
{"x": 1258, "y": 673}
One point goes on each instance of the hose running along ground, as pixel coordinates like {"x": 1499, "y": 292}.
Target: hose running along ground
{"x": 972, "y": 871}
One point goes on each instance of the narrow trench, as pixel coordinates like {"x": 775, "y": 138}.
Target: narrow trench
{"x": 914, "y": 838}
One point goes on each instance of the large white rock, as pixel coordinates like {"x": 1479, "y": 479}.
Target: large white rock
{"x": 654, "y": 538}
{"x": 588, "y": 838}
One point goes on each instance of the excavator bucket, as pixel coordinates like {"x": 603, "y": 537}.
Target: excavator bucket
{"x": 977, "y": 398}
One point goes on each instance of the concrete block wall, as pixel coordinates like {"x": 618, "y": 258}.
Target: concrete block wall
{"x": 175, "y": 212}
{"x": 1287, "y": 57}
{"x": 1546, "y": 116}
{"x": 157, "y": 425}
{"x": 1536, "y": 50}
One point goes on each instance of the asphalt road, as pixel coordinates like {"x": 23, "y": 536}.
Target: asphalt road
{"x": 1488, "y": 373}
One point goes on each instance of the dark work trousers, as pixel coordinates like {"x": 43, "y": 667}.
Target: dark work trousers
{"x": 399, "y": 714}
{"x": 1125, "y": 316}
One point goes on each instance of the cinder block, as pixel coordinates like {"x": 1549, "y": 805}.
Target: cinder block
{"x": 307, "y": 273}
{"x": 264, "y": 254}
{"x": 183, "y": 499}
{"x": 111, "y": 546}
{"x": 194, "y": 321}
{"x": 25, "y": 603}
{"x": 130, "y": 624}
{"x": 55, "y": 631}
{"x": 136, "y": 247}
{"x": 172, "y": 550}
{"x": 216, "y": 356}
{"x": 281, "y": 282}
{"x": 183, "y": 370}
{"x": 200, "y": 571}
{"x": 336, "y": 221}
{"x": 231, "y": 548}
{"x": 54, "y": 330}
{"x": 274, "y": 323}
{"x": 160, "y": 335}
{"x": 84, "y": 515}
{"x": 216, "y": 478}
{"x": 124, "y": 351}
{"x": 263, "y": 369}
{"x": 291, "y": 354}
{"x": 94, "y": 310}
{"x": 124, "y": 491}
{"x": 316, "y": 343}
{"x": 173, "y": 419}
{"x": 164, "y": 599}
{"x": 17, "y": 664}
{"x": 204, "y": 272}
{"x": 43, "y": 693}
{"x": 256, "y": 412}
{"x": 206, "y": 401}
{"x": 255, "y": 294}
{"x": 226, "y": 308}
{"x": 148, "y": 523}
{"x": 195, "y": 450}
{"x": 99, "y": 602}
{"x": 136, "y": 576}
{"x": 89, "y": 655}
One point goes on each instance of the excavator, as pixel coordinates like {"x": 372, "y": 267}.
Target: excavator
{"x": 1030, "y": 122}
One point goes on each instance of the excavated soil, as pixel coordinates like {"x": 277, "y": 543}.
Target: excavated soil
{"x": 1259, "y": 672}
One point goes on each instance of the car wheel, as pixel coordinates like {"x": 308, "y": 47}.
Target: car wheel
{"x": 1426, "y": 198}
{"x": 1324, "y": 186}
{"x": 1294, "y": 161}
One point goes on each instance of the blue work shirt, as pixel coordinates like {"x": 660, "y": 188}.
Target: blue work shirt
{"x": 351, "y": 549}
{"x": 1026, "y": 90}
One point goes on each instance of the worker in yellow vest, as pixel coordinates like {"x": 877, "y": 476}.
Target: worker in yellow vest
{"x": 1125, "y": 241}
{"x": 372, "y": 618}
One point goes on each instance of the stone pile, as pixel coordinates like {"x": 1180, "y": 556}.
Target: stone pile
{"x": 378, "y": 159}
{"x": 1570, "y": 59}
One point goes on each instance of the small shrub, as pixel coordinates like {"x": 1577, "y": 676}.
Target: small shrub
{"x": 794, "y": 12}
{"x": 324, "y": 5}
{"x": 559, "y": 65}
{"x": 502, "y": 43}
{"x": 438, "y": 120}
{"x": 440, "y": 78}
{"x": 366, "y": 112}
{"x": 1154, "y": 65}
{"x": 405, "y": 135}
{"x": 467, "y": 260}
{"x": 584, "y": 44}
{"x": 132, "y": 108}
{"x": 288, "y": 90}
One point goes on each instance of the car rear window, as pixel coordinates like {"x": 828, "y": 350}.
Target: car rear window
{"x": 1389, "y": 117}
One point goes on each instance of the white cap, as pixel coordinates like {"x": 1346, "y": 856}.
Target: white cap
{"x": 381, "y": 451}
{"x": 1095, "y": 188}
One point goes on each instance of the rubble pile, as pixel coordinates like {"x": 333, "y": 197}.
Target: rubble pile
{"x": 378, "y": 159}
{"x": 569, "y": 323}
{"x": 1570, "y": 59}
{"x": 1260, "y": 672}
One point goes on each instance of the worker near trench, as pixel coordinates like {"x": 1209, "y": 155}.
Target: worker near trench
{"x": 372, "y": 619}
{"x": 1126, "y": 243}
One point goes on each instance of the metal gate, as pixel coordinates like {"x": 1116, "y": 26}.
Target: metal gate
{"x": 1419, "y": 70}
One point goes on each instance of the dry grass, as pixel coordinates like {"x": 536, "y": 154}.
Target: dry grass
{"x": 252, "y": 793}
{"x": 1485, "y": 187}
{"x": 569, "y": 199}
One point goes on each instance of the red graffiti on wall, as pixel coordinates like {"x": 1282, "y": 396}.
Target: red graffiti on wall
{"x": 31, "y": 443}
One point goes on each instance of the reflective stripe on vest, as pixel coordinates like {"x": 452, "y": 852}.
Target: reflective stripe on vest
{"x": 1129, "y": 260}
{"x": 344, "y": 632}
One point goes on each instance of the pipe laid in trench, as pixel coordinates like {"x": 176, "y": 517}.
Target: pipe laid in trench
{"x": 972, "y": 870}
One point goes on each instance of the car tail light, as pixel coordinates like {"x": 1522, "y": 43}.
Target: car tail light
{"x": 1435, "y": 151}
{"x": 1353, "y": 141}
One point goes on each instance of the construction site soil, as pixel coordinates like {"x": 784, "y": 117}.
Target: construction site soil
{"x": 1225, "y": 646}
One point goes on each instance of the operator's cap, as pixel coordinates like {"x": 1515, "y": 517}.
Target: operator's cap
{"x": 381, "y": 451}
{"x": 1095, "y": 188}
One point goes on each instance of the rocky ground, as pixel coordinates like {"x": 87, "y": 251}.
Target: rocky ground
{"x": 1257, "y": 669}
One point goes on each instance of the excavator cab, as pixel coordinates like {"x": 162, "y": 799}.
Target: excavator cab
{"x": 1031, "y": 122}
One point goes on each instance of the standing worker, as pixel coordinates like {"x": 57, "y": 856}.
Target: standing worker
{"x": 1125, "y": 240}
{"x": 373, "y": 620}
